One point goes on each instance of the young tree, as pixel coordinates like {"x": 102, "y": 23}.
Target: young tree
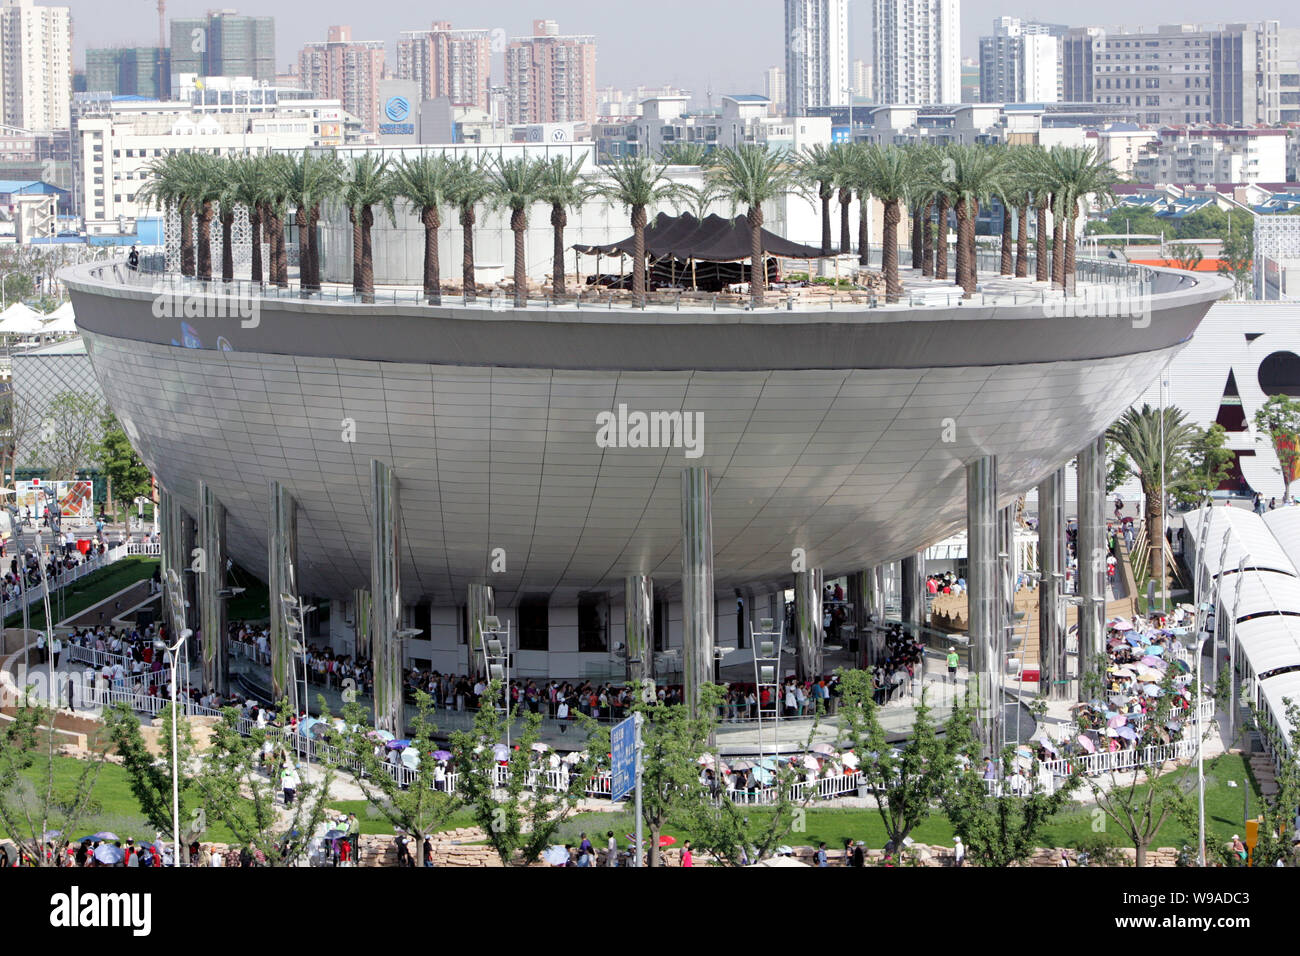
{"x": 725, "y": 831}
{"x": 18, "y": 422}
{"x": 1001, "y": 829}
{"x": 1185, "y": 256}
{"x": 235, "y": 792}
{"x": 69, "y": 434}
{"x": 36, "y": 813}
{"x": 906, "y": 785}
{"x": 1209, "y": 462}
{"x": 1236, "y": 262}
{"x": 127, "y": 475}
{"x": 519, "y": 822}
{"x": 1279, "y": 420}
{"x": 417, "y": 807}
{"x": 151, "y": 777}
{"x": 1279, "y": 836}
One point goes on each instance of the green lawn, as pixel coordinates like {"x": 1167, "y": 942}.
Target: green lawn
{"x": 115, "y": 807}
{"x": 91, "y": 589}
{"x": 372, "y": 822}
{"x": 1224, "y": 815}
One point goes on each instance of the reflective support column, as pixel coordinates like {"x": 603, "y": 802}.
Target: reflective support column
{"x": 913, "y": 604}
{"x": 189, "y": 580}
{"x": 169, "y": 531}
{"x": 982, "y": 584}
{"x": 362, "y": 615}
{"x": 282, "y": 554}
{"x": 809, "y": 632}
{"x": 1053, "y": 676}
{"x": 210, "y": 570}
{"x": 385, "y": 590}
{"x": 1092, "y": 554}
{"x": 1006, "y": 635}
{"x": 697, "y": 583}
{"x": 482, "y": 605}
{"x": 638, "y": 628}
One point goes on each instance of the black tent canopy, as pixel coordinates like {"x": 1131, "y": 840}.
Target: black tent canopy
{"x": 707, "y": 253}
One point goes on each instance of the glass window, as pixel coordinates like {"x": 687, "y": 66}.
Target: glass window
{"x": 593, "y": 623}
{"x": 533, "y": 617}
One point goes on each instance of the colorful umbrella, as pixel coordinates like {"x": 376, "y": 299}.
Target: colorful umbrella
{"x": 1119, "y": 720}
{"x": 1128, "y": 733}
{"x": 441, "y": 755}
{"x": 1086, "y": 743}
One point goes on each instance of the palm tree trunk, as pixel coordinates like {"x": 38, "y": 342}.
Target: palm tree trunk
{"x": 280, "y": 250}
{"x": 367, "y": 256}
{"x": 355, "y": 220}
{"x": 432, "y": 275}
{"x": 312, "y": 280}
{"x": 1068, "y": 267}
{"x": 889, "y": 250}
{"x": 1058, "y": 251}
{"x": 469, "y": 287}
{"x": 967, "y": 210}
{"x": 941, "y": 239}
{"x": 638, "y": 254}
{"x": 918, "y": 240}
{"x": 187, "y": 240}
{"x": 826, "y": 193}
{"x": 1041, "y": 273}
{"x": 972, "y": 259}
{"x": 864, "y": 220}
{"x": 204, "y": 265}
{"x": 255, "y": 226}
{"x": 559, "y": 219}
{"x": 757, "y": 268}
{"x": 846, "y": 198}
{"x": 1005, "y": 266}
{"x": 927, "y": 239}
{"x": 1022, "y": 238}
{"x": 1155, "y": 532}
{"x": 227, "y": 246}
{"x": 519, "y": 223}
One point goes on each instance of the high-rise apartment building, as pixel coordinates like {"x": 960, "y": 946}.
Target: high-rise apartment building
{"x": 551, "y": 78}
{"x": 35, "y": 65}
{"x": 917, "y": 51}
{"x": 774, "y": 87}
{"x": 346, "y": 70}
{"x": 1239, "y": 74}
{"x": 130, "y": 71}
{"x": 860, "y": 81}
{"x": 816, "y": 54}
{"x": 1020, "y": 62}
{"x": 446, "y": 62}
{"x": 224, "y": 44}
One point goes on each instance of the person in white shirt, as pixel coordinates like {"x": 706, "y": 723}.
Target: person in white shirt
{"x": 218, "y": 859}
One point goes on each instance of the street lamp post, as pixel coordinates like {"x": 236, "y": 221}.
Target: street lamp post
{"x": 1201, "y": 610}
{"x": 174, "y": 651}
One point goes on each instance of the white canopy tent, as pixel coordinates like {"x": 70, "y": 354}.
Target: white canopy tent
{"x": 61, "y": 321}
{"x": 1247, "y": 536}
{"x": 20, "y": 320}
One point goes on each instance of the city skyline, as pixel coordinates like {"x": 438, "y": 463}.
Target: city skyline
{"x": 682, "y": 57}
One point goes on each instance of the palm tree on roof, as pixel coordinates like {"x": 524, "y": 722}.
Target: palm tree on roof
{"x": 750, "y": 176}
{"x": 367, "y": 183}
{"x": 1074, "y": 174}
{"x": 562, "y": 187}
{"x": 245, "y": 184}
{"x": 517, "y": 185}
{"x": 888, "y": 173}
{"x": 308, "y": 179}
{"x": 819, "y": 165}
{"x": 636, "y": 183}
{"x": 425, "y": 182}
{"x": 974, "y": 174}
{"x": 841, "y": 158}
{"x": 469, "y": 186}
{"x": 165, "y": 189}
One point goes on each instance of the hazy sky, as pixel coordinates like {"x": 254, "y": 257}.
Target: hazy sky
{"x": 689, "y": 43}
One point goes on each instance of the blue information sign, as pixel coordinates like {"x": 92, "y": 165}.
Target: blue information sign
{"x": 622, "y": 745}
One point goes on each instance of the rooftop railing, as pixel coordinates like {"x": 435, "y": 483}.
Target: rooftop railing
{"x": 1093, "y": 277}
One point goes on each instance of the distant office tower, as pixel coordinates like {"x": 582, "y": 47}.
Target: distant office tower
{"x": 551, "y": 78}
{"x": 446, "y": 62}
{"x": 917, "y": 51}
{"x": 774, "y": 87}
{"x": 35, "y": 65}
{"x": 224, "y": 44}
{"x": 346, "y": 70}
{"x": 1240, "y": 74}
{"x": 861, "y": 83}
{"x": 816, "y": 54}
{"x": 130, "y": 71}
{"x": 1020, "y": 62}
